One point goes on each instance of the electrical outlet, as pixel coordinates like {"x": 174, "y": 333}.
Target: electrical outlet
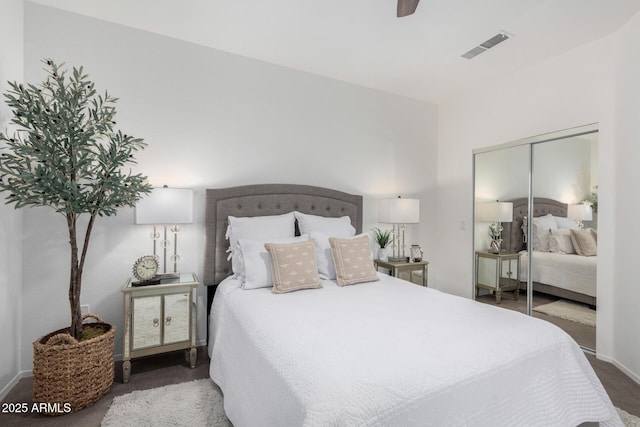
{"x": 84, "y": 309}
{"x": 463, "y": 226}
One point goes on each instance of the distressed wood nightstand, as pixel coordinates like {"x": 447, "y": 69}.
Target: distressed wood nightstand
{"x": 159, "y": 318}
{"x": 499, "y": 278}
{"x": 398, "y": 267}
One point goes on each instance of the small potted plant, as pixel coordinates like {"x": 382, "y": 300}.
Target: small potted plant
{"x": 383, "y": 238}
{"x": 65, "y": 154}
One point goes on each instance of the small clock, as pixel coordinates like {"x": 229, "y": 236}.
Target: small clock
{"x": 146, "y": 267}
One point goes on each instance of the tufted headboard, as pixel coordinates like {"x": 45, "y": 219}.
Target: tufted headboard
{"x": 513, "y": 237}
{"x": 261, "y": 200}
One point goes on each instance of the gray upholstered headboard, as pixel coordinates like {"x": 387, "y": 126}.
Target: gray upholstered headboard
{"x": 266, "y": 199}
{"x": 512, "y": 234}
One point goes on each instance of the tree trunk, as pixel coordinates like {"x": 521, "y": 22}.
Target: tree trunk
{"x": 75, "y": 281}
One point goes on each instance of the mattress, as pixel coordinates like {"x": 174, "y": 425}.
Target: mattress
{"x": 391, "y": 353}
{"x": 567, "y": 271}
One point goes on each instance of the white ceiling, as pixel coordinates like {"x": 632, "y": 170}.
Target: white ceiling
{"x": 362, "y": 41}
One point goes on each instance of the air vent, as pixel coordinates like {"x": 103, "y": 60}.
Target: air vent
{"x": 484, "y": 46}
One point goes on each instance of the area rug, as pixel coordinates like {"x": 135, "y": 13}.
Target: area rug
{"x": 569, "y": 310}
{"x": 194, "y": 403}
{"x": 628, "y": 419}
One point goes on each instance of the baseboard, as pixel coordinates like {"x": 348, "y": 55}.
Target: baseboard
{"x": 6, "y": 389}
{"x": 628, "y": 372}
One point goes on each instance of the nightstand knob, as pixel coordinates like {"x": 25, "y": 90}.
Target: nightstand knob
{"x": 156, "y": 322}
{"x": 167, "y": 320}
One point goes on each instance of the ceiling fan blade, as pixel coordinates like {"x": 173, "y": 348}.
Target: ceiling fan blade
{"x": 407, "y": 7}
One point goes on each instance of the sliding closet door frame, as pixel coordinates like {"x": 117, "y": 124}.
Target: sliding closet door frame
{"x": 531, "y": 142}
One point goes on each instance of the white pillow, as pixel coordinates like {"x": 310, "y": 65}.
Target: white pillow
{"x": 542, "y": 227}
{"x": 324, "y": 260}
{"x": 257, "y": 227}
{"x": 256, "y": 261}
{"x": 332, "y": 227}
{"x": 566, "y": 223}
{"x": 560, "y": 241}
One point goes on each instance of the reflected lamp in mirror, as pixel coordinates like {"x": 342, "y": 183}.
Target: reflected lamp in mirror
{"x": 167, "y": 207}
{"x": 399, "y": 212}
{"x": 495, "y": 212}
{"x": 580, "y": 213}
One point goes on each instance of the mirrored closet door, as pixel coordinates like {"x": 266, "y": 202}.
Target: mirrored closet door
{"x": 535, "y": 228}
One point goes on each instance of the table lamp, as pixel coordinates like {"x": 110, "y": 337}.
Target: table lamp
{"x": 580, "y": 213}
{"x": 399, "y": 212}
{"x": 495, "y": 212}
{"x": 166, "y": 207}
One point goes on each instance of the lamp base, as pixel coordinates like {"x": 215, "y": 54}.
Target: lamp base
{"x": 398, "y": 259}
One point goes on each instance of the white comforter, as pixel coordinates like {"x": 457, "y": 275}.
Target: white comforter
{"x": 391, "y": 353}
{"x": 567, "y": 271}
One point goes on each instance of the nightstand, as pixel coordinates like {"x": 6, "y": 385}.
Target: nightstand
{"x": 498, "y": 273}
{"x": 396, "y": 268}
{"x": 159, "y": 318}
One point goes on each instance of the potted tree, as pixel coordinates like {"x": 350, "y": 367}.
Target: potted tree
{"x": 66, "y": 154}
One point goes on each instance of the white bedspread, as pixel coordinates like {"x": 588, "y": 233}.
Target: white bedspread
{"x": 391, "y": 353}
{"x": 567, "y": 271}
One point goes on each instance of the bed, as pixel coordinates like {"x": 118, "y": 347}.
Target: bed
{"x": 565, "y": 275}
{"x": 382, "y": 352}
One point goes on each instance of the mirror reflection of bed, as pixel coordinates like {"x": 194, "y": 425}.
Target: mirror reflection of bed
{"x": 564, "y": 178}
{"x": 564, "y": 282}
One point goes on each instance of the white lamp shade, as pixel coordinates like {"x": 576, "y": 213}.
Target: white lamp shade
{"x": 166, "y": 206}
{"x": 580, "y": 212}
{"x": 494, "y": 212}
{"x": 399, "y": 211}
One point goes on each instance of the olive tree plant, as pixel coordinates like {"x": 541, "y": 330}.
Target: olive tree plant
{"x": 65, "y": 153}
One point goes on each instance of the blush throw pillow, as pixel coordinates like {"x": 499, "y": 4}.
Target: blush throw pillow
{"x": 293, "y": 266}
{"x": 584, "y": 243}
{"x": 256, "y": 260}
{"x": 353, "y": 260}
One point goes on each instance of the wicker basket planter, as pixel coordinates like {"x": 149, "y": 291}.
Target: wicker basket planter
{"x": 69, "y": 375}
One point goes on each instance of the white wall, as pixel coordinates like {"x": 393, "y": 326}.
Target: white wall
{"x": 11, "y": 60}
{"x": 570, "y": 90}
{"x": 627, "y": 196}
{"x": 213, "y": 119}
{"x": 562, "y": 170}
